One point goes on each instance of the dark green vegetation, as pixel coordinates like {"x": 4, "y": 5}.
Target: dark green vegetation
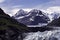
{"x": 6, "y": 21}
{"x": 10, "y": 29}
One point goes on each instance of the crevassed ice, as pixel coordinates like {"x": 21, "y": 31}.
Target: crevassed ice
{"x": 47, "y": 35}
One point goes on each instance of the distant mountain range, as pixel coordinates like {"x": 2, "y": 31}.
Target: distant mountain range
{"x": 34, "y": 17}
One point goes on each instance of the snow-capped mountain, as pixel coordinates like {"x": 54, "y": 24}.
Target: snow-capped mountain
{"x": 34, "y": 17}
{"x": 21, "y": 12}
{"x": 55, "y": 15}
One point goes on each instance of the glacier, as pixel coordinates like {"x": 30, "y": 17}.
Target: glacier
{"x": 47, "y": 35}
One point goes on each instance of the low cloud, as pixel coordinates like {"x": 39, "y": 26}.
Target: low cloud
{"x": 14, "y": 11}
{"x": 49, "y": 10}
{"x": 11, "y": 10}
{"x": 53, "y": 9}
{"x": 48, "y": 7}
{"x": 48, "y": 4}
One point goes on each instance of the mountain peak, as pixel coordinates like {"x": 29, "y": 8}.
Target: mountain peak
{"x": 35, "y": 10}
{"x": 21, "y": 12}
{"x": 34, "y": 17}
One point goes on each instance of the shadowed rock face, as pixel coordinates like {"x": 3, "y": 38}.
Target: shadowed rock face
{"x": 55, "y": 23}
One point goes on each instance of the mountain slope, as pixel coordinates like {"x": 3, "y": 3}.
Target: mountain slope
{"x": 34, "y": 17}
{"x": 55, "y": 22}
{"x": 10, "y": 29}
{"x": 7, "y": 20}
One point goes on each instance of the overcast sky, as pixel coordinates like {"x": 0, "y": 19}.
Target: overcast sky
{"x": 12, "y": 6}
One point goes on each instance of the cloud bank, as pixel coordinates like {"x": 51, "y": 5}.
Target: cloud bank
{"x": 47, "y": 6}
